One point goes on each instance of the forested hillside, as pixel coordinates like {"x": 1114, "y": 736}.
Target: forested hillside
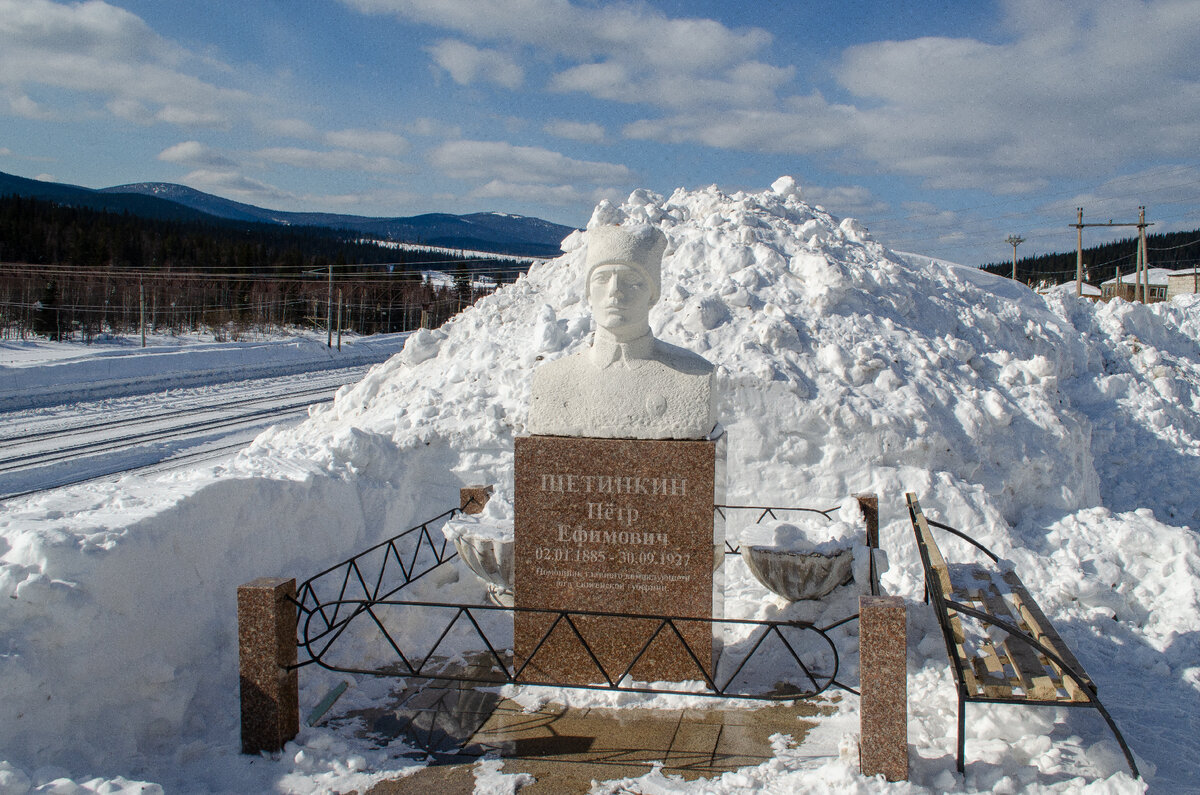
{"x": 72, "y": 271}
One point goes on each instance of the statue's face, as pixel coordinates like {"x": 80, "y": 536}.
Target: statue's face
{"x": 620, "y": 297}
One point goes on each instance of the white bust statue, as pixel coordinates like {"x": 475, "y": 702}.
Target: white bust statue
{"x": 628, "y": 384}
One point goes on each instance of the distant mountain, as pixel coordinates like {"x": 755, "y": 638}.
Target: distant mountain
{"x": 495, "y": 232}
{"x": 198, "y": 200}
{"x": 73, "y": 195}
{"x": 498, "y": 232}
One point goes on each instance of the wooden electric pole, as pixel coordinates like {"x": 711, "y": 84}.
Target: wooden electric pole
{"x": 329, "y": 311}
{"x": 1145, "y": 277}
{"x": 1014, "y": 241}
{"x": 1079, "y": 256}
{"x": 1079, "y": 225}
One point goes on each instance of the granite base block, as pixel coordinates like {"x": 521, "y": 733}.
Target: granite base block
{"x": 615, "y": 525}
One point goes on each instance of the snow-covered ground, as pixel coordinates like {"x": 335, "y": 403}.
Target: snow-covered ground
{"x": 178, "y": 401}
{"x": 1065, "y": 433}
{"x": 34, "y": 374}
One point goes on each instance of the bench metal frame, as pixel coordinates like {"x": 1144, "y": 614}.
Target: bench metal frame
{"x": 943, "y": 606}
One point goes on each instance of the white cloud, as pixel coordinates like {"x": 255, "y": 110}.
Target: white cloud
{"x": 5, "y": 151}
{"x": 103, "y": 52}
{"x": 809, "y": 126}
{"x": 130, "y": 110}
{"x": 846, "y": 200}
{"x": 434, "y": 128}
{"x": 379, "y": 141}
{"x": 1075, "y": 90}
{"x": 195, "y": 154}
{"x": 559, "y": 195}
{"x": 368, "y": 202}
{"x": 541, "y": 194}
{"x": 232, "y": 183}
{"x": 291, "y": 128}
{"x": 636, "y": 32}
{"x": 333, "y": 160}
{"x": 467, "y": 64}
{"x": 46, "y": 178}
{"x": 627, "y": 52}
{"x": 1160, "y": 189}
{"x": 496, "y": 160}
{"x": 748, "y": 84}
{"x": 191, "y": 117}
{"x": 21, "y": 105}
{"x": 588, "y": 132}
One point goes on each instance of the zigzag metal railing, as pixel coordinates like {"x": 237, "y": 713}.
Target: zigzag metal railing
{"x": 414, "y": 554}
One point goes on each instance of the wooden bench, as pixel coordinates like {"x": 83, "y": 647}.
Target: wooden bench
{"x": 1014, "y": 656}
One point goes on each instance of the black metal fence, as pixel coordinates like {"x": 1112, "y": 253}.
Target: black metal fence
{"x": 352, "y": 620}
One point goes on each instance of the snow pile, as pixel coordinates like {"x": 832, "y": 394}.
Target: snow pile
{"x": 1066, "y": 435}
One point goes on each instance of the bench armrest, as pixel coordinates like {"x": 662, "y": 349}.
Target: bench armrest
{"x": 965, "y": 537}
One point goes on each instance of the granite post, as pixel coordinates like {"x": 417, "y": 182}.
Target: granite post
{"x": 472, "y": 499}
{"x": 868, "y": 505}
{"x": 266, "y": 648}
{"x": 883, "y": 648}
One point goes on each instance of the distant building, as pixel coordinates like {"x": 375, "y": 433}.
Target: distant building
{"x": 1156, "y": 286}
{"x": 1185, "y": 282}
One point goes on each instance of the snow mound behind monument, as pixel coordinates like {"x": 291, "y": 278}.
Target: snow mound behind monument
{"x": 839, "y": 365}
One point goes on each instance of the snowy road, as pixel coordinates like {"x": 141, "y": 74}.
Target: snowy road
{"x": 61, "y": 445}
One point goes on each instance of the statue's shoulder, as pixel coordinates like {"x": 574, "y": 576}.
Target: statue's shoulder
{"x": 560, "y": 368}
{"x": 681, "y": 359}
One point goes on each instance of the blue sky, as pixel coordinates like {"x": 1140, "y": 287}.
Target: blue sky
{"x": 943, "y": 126}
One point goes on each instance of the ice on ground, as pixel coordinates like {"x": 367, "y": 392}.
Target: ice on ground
{"x": 1064, "y": 435}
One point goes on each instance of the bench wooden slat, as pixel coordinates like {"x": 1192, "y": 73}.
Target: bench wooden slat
{"x": 990, "y": 672}
{"x": 1041, "y": 628}
{"x": 935, "y": 555}
{"x": 1028, "y": 667}
{"x": 969, "y": 679}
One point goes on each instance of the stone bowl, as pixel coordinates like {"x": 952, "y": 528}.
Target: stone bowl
{"x": 490, "y": 558}
{"x": 799, "y": 575}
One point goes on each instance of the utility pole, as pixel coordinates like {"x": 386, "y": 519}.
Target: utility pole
{"x": 329, "y": 311}
{"x": 142, "y": 310}
{"x": 339, "y": 318}
{"x": 1142, "y": 251}
{"x": 1079, "y": 225}
{"x": 1014, "y": 241}
{"x": 1079, "y": 256}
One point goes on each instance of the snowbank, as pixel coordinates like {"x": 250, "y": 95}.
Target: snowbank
{"x": 1066, "y": 433}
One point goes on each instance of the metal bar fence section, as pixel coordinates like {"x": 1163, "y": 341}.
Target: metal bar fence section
{"x": 344, "y": 594}
{"x": 767, "y": 644}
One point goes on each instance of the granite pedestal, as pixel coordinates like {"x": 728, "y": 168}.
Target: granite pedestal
{"x": 883, "y": 649}
{"x": 616, "y": 525}
{"x": 266, "y": 612}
